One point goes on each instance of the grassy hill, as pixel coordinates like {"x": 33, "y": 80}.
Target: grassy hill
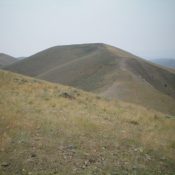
{"x": 47, "y": 128}
{"x": 105, "y": 70}
{"x": 6, "y": 59}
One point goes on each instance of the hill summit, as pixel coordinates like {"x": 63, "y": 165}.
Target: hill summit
{"x": 105, "y": 70}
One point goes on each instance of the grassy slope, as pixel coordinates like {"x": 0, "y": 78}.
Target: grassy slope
{"x": 54, "y": 129}
{"x": 6, "y": 59}
{"x": 105, "y": 70}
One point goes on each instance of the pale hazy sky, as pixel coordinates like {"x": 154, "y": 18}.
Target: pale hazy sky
{"x": 143, "y": 27}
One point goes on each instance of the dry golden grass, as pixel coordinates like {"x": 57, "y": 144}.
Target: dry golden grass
{"x": 54, "y": 129}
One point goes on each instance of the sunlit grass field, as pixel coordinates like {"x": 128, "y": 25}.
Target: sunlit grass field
{"x": 53, "y": 129}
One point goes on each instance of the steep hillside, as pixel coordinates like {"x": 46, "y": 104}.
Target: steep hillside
{"x": 105, "y": 70}
{"x": 6, "y": 59}
{"x": 53, "y": 129}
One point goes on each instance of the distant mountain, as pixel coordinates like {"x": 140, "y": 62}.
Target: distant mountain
{"x": 105, "y": 70}
{"x": 168, "y": 62}
{"x": 6, "y": 59}
{"x": 20, "y": 58}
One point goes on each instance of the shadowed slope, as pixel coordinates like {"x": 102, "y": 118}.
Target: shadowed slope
{"x": 53, "y": 129}
{"x": 6, "y": 59}
{"x": 105, "y": 70}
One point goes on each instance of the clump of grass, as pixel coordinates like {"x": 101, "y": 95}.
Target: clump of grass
{"x": 134, "y": 122}
{"x": 67, "y": 95}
